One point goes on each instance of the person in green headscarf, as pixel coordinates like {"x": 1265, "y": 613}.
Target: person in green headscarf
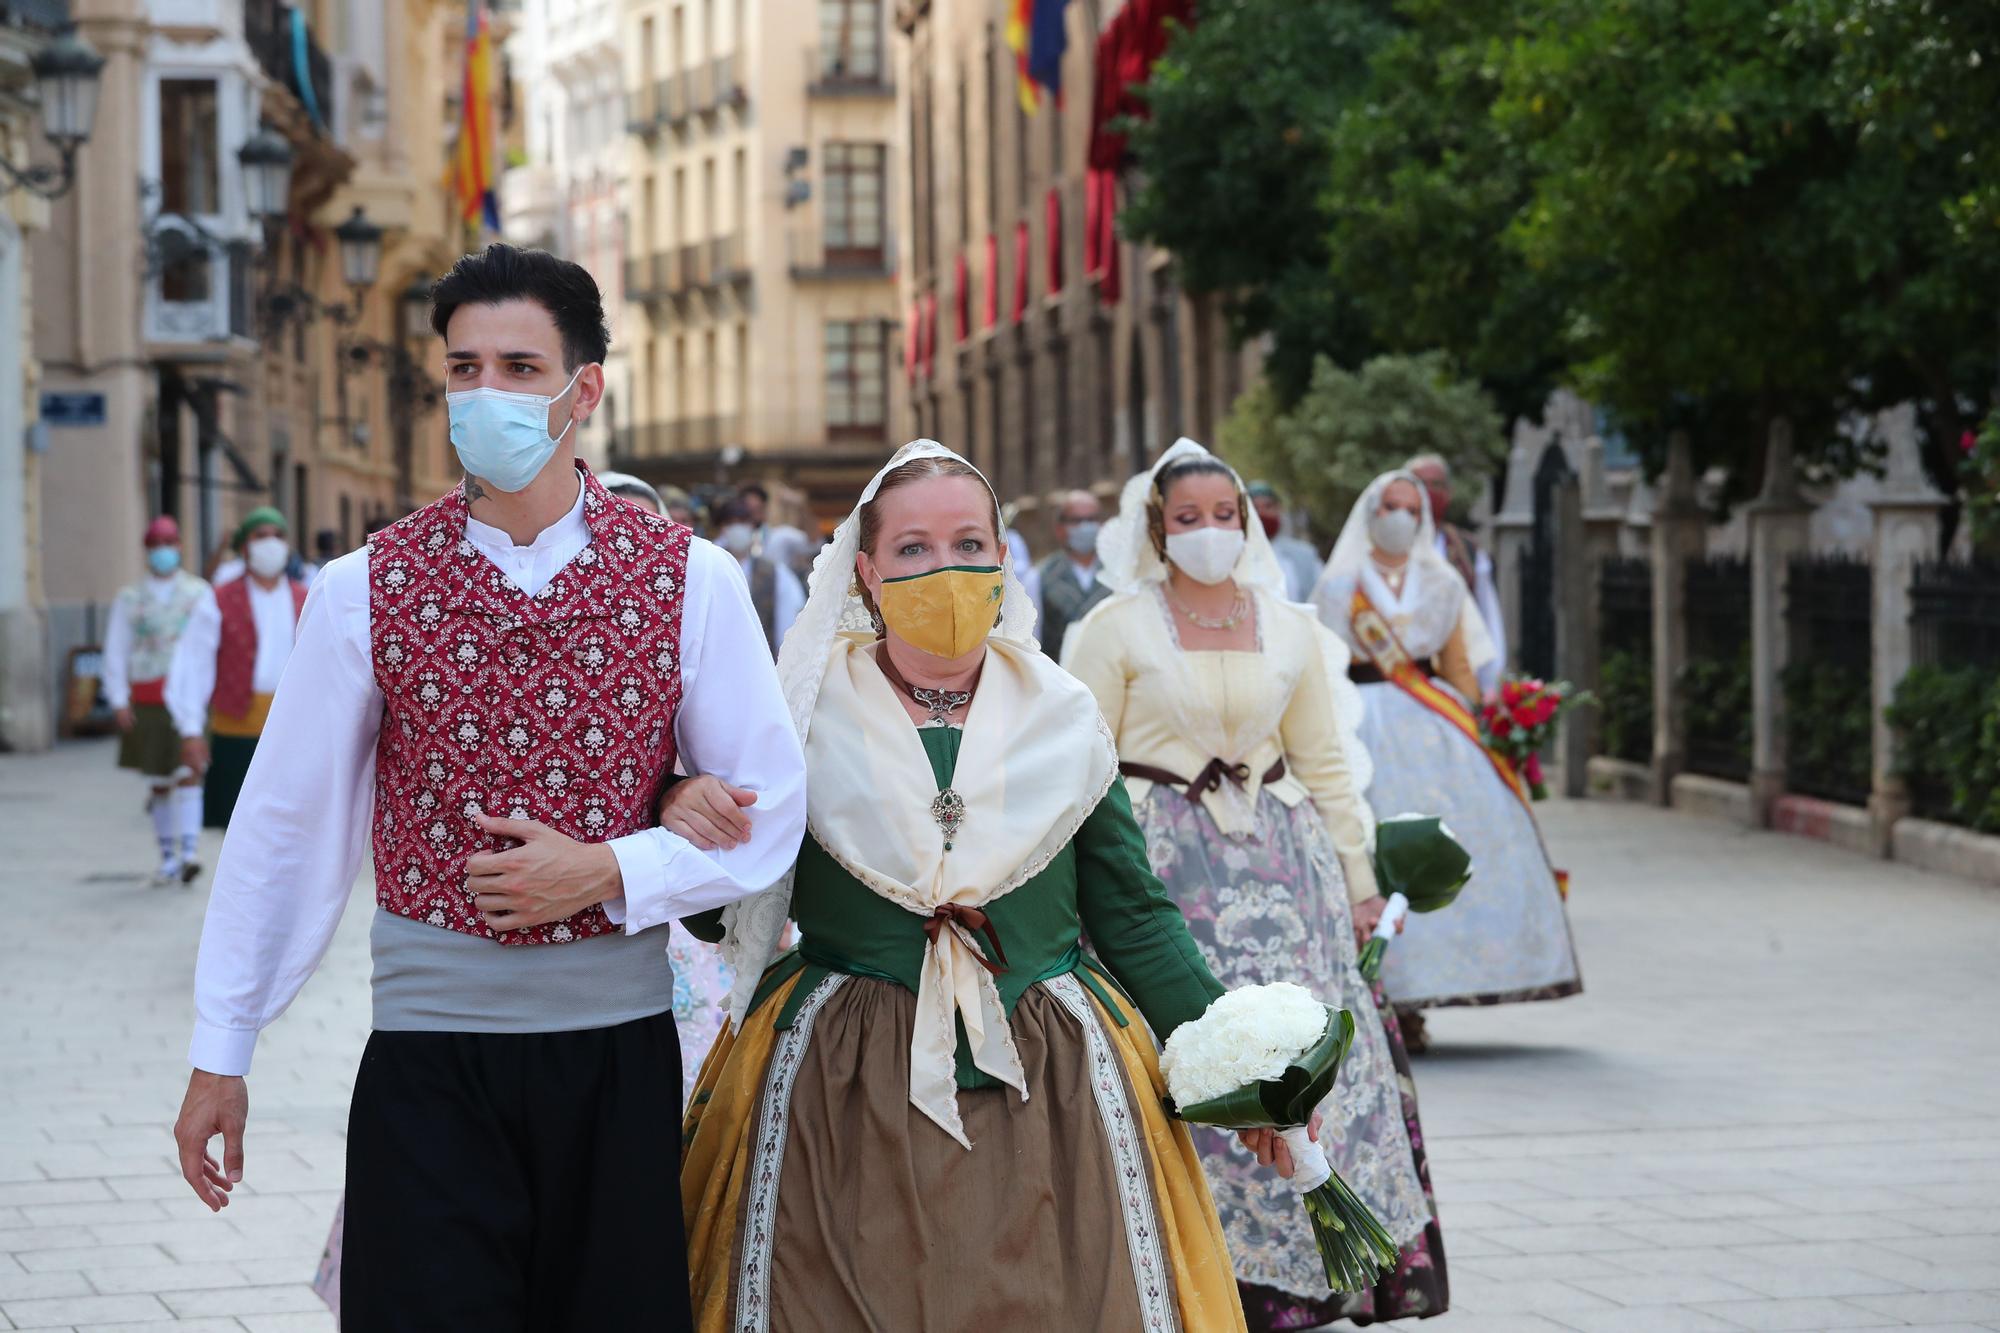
{"x": 227, "y": 663}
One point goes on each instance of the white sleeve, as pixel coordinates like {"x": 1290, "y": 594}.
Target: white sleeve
{"x": 191, "y": 678}
{"x": 788, "y": 600}
{"x": 114, "y": 675}
{"x": 300, "y": 830}
{"x": 734, "y": 724}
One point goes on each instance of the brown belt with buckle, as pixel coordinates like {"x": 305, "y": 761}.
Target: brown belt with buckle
{"x": 1207, "y": 780}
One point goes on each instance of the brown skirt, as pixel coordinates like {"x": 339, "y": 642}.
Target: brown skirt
{"x": 884, "y": 1222}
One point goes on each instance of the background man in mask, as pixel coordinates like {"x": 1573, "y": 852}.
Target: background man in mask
{"x": 775, "y": 591}
{"x": 1069, "y": 574}
{"x": 1296, "y": 556}
{"x": 228, "y": 661}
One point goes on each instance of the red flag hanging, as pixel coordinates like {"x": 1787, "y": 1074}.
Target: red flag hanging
{"x": 961, "y": 300}
{"x": 1052, "y": 230}
{"x": 989, "y": 291}
{"x": 1020, "y": 270}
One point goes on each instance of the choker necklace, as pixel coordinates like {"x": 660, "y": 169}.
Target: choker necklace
{"x": 1237, "y": 610}
{"x": 940, "y": 703}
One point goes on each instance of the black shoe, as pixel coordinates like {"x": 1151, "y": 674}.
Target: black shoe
{"x": 190, "y": 872}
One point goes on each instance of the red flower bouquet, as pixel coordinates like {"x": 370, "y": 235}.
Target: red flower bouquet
{"x": 1523, "y": 719}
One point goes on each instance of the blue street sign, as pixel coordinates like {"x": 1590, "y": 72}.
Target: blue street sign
{"x": 73, "y": 409}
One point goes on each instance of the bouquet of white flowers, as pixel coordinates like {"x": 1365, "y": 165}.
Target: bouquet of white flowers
{"x": 1263, "y": 1057}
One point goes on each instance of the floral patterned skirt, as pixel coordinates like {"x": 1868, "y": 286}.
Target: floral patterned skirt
{"x": 1273, "y": 907}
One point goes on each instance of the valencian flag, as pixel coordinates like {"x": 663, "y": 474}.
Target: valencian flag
{"x": 1036, "y": 36}
{"x": 472, "y": 174}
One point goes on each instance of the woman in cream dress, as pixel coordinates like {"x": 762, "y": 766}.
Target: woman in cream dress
{"x": 938, "y": 1111}
{"x": 1416, "y": 643}
{"x": 1235, "y": 729}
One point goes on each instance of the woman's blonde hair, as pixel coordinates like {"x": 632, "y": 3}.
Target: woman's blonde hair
{"x": 917, "y": 469}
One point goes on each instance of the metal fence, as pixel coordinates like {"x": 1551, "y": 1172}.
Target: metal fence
{"x": 1826, "y": 684}
{"x": 1625, "y": 657}
{"x": 1715, "y": 683}
{"x": 1955, "y": 613}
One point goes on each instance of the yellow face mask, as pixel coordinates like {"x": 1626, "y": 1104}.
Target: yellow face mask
{"x": 947, "y": 612}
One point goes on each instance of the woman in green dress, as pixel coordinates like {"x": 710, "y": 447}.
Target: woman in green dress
{"x": 938, "y": 1111}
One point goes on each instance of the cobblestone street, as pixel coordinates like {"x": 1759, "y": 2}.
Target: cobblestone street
{"x": 1773, "y": 1108}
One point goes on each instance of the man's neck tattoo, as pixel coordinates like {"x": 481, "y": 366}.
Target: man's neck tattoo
{"x": 473, "y": 490}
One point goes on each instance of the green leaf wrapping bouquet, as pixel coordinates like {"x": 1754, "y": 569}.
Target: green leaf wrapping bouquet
{"x": 1420, "y": 867}
{"x": 1264, "y": 1057}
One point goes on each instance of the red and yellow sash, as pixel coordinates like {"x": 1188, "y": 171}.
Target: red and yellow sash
{"x": 1371, "y": 628}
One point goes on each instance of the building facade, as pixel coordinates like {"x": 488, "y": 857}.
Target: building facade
{"x": 1049, "y": 370}
{"x": 229, "y": 361}
{"x": 760, "y": 263}
{"x": 566, "y": 193}
{"x": 26, "y": 722}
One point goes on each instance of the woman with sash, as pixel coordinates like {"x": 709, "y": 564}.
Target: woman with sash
{"x": 937, "y": 1111}
{"x": 1236, "y": 733}
{"x": 1417, "y": 643}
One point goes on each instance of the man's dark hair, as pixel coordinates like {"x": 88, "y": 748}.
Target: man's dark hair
{"x": 757, "y": 490}
{"x": 503, "y": 272}
{"x": 732, "y": 510}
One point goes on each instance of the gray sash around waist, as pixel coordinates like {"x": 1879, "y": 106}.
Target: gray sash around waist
{"x": 428, "y": 979}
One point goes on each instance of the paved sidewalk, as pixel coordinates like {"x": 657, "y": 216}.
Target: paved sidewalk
{"x": 1776, "y": 1107}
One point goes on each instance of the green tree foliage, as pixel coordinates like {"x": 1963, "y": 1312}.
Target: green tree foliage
{"x": 1702, "y": 214}
{"x": 1352, "y": 426}
{"x": 1234, "y": 158}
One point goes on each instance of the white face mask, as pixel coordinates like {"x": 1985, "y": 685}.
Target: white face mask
{"x": 737, "y": 539}
{"x": 1394, "y": 531}
{"x": 503, "y": 437}
{"x": 1206, "y": 555}
{"x": 266, "y": 556}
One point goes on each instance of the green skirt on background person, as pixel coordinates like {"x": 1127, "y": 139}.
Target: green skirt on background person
{"x": 151, "y": 747}
{"x": 232, "y": 742}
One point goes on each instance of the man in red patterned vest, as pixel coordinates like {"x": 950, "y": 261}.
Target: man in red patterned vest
{"x": 491, "y": 696}
{"x": 228, "y": 662}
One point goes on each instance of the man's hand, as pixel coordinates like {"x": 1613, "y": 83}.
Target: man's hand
{"x": 708, "y": 812}
{"x": 215, "y": 1104}
{"x": 548, "y": 877}
{"x": 125, "y": 720}
{"x": 194, "y": 753}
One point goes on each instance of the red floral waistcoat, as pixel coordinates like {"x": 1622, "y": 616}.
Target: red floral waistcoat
{"x": 557, "y": 708}
{"x": 236, "y": 647}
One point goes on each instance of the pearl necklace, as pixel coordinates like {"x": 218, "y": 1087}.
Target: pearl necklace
{"x": 1237, "y": 610}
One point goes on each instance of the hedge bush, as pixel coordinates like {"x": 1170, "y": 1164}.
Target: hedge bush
{"x": 1949, "y": 742}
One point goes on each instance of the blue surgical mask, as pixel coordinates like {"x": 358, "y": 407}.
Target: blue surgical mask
{"x": 503, "y": 437}
{"x": 163, "y": 560}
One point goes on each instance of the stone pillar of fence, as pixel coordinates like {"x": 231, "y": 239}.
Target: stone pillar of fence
{"x": 1908, "y": 529}
{"x": 1677, "y": 537}
{"x": 1514, "y": 521}
{"x": 1576, "y": 632}
{"x": 1780, "y": 520}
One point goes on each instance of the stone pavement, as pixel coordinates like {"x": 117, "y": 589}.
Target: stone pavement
{"x": 1774, "y": 1108}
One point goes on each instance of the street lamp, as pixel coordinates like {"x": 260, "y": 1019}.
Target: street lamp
{"x": 267, "y": 173}
{"x": 416, "y": 301}
{"x": 66, "y": 74}
{"x": 360, "y": 251}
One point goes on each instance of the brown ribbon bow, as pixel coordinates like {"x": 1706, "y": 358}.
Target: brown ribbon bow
{"x": 973, "y": 920}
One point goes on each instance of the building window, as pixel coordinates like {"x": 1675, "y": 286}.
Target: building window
{"x": 850, "y": 40}
{"x": 854, "y": 202}
{"x": 190, "y": 183}
{"x": 857, "y": 381}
